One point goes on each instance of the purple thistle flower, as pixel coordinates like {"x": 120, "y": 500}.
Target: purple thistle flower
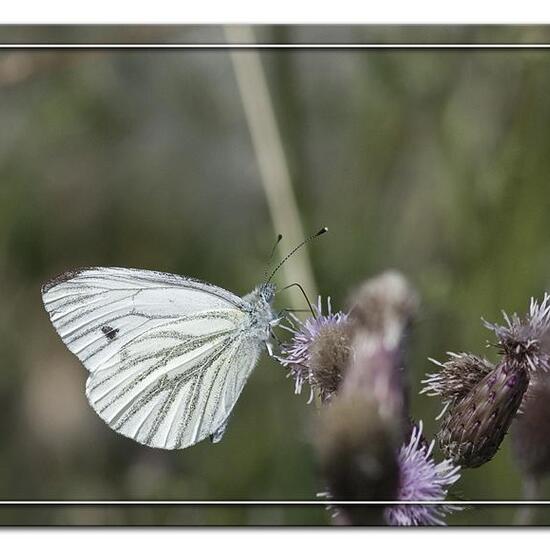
{"x": 420, "y": 478}
{"x": 523, "y": 341}
{"x": 318, "y": 350}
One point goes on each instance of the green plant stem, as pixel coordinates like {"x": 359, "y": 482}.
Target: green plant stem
{"x": 272, "y": 162}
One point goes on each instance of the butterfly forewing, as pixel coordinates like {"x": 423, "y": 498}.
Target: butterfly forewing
{"x": 167, "y": 355}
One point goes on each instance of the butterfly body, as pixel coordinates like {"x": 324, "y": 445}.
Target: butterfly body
{"x": 262, "y": 316}
{"x": 168, "y": 356}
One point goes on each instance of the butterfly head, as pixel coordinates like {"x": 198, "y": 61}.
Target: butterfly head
{"x": 261, "y": 314}
{"x": 267, "y": 292}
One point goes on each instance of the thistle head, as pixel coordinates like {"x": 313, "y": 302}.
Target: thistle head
{"x": 318, "y": 351}
{"x": 385, "y": 305}
{"x": 480, "y": 400}
{"x": 524, "y": 341}
{"x": 474, "y": 427}
{"x": 421, "y": 478}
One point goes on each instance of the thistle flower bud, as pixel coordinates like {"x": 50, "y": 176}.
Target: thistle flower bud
{"x": 474, "y": 427}
{"x": 480, "y": 401}
{"x": 385, "y": 305}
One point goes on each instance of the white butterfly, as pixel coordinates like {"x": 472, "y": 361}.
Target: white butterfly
{"x": 168, "y": 356}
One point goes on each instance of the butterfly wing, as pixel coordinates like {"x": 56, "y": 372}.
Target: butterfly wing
{"x": 167, "y": 355}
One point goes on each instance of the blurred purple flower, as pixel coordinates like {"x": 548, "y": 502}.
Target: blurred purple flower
{"x": 420, "y": 478}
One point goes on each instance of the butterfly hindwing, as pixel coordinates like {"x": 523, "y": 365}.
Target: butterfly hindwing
{"x": 167, "y": 355}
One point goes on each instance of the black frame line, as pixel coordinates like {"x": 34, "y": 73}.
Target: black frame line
{"x": 272, "y": 46}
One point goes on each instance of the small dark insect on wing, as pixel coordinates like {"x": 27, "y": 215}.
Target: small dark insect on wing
{"x": 109, "y": 332}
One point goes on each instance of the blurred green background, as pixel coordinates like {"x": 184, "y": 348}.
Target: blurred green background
{"x": 433, "y": 162}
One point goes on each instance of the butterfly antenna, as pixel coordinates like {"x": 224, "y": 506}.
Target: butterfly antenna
{"x": 298, "y": 285}
{"x": 318, "y": 234}
{"x": 279, "y": 239}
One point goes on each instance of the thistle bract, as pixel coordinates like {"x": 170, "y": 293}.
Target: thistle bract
{"x": 473, "y": 428}
{"x": 458, "y": 375}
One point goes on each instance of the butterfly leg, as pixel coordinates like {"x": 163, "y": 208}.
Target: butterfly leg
{"x": 274, "y": 336}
